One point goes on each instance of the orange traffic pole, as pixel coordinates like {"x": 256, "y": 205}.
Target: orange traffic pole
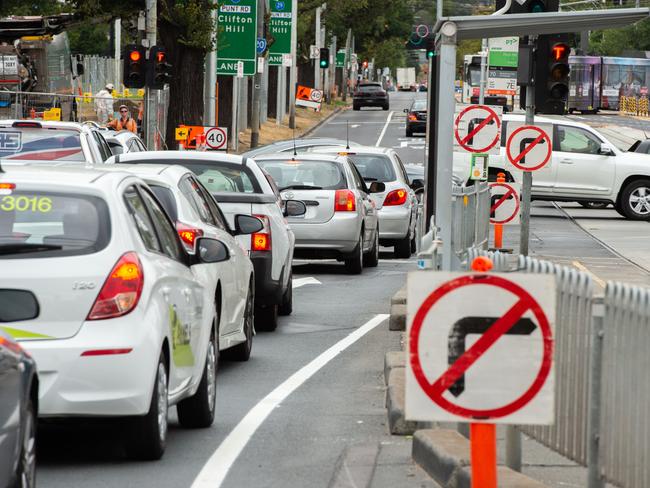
{"x": 483, "y": 455}
{"x": 498, "y": 228}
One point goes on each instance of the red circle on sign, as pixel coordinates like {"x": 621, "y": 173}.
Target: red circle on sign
{"x": 515, "y": 161}
{"x": 430, "y": 389}
{"x": 511, "y": 191}
{"x": 493, "y": 115}
{"x": 219, "y": 130}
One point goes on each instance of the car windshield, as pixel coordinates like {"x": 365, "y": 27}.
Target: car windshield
{"x": 306, "y": 175}
{"x": 37, "y": 144}
{"x": 35, "y": 224}
{"x": 374, "y": 167}
{"x": 419, "y": 105}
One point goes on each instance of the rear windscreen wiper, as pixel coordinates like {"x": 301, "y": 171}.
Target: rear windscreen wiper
{"x": 24, "y": 247}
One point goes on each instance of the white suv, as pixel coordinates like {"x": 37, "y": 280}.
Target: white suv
{"x": 584, "y": 167}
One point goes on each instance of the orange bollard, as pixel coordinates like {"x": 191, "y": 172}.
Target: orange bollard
{"x": 482, "y": 264}
{"x": 498, "y": 228}
{"x": 483, "y": 455}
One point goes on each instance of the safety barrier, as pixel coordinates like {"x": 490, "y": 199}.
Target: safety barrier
{"x": 470, "y": 216}
{"x": 634, "y": 106}
{"x": 499, "y": 259}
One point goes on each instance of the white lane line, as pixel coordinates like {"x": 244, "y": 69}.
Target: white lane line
{"x": 383, "y": 131}
{"x": 214, "y": 472}
{"x": 298, "y": 282}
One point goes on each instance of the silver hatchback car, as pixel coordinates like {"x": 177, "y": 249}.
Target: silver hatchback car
{"x": 341, "y": 219}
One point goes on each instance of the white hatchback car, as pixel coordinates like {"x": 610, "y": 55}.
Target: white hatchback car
{"x": 126, "y": 325}
{"x": 397, "y": 205}
{"x": 241, "y": 187}
{"x": 585, "y": 167}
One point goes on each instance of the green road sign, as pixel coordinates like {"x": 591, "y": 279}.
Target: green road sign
{"x": 340, "y": 58}
{"x": 280, "y": 30}
{"x": 237, "y": 36}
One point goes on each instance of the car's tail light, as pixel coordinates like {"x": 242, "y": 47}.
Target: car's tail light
{"x": 345, "y": 201}
{"x": 261, "y": 241}
{"x": 413, "y": 116}
{"x": 188, "y": 235}
{"x": 396, "y": 197}
{"x": 121, "y": 290}
{"x": 31, "y": 125}
{"x": 7, "y": 186}
{"x": 10, "y": 344}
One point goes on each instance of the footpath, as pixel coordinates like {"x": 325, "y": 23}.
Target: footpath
{"x": 439, "y": 449}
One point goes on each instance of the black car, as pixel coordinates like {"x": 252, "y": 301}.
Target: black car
{"x": 641, "y": 147}
{"x": 370, "y": 95}
{"x": 18, "y": 393}
{"x": 416, "y": 117}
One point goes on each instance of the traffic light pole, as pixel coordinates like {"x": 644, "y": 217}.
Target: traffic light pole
{"x": 150, "y": 117}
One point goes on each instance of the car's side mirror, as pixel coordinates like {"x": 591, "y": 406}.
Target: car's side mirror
{"x": 211, "y": 251}
{"x": 294, "y": 208}
{"x": 606, "y": 150}
{"x": 376, "y": 187}
{"x": 247, "y": 224}
{"x": 16, "y": 305}
{"x": 417, "y": 183}
{"x": 406, "y": 110}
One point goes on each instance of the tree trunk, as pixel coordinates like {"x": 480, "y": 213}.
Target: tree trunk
{"x": 186, "y": 84}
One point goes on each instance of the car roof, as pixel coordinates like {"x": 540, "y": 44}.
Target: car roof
{"x": 123, "y": 135}
{"x": 68, "y": 175}
{"x": 174, "y": 171}
{"x": 547, "y": 120}
{"x": 303, "y": 157}
{"x": 180, "y": 155}
{"x": 288, "y": 143}
{"x": 46, "y": 124}
{"x": 354, "y": 150}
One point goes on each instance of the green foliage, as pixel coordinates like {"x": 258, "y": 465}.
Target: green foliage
{"x": 29, "y": 7}
{"x": 192, "y": 20}
{"x": 612, "y": 42}
{"x": 89, "y": 39}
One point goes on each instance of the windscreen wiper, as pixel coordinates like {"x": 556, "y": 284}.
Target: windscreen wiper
{"x": 24, "y": 247}
{"x": 301, "y": 187}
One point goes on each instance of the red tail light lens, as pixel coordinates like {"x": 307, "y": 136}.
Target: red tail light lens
{"x": 412, "y": 116}
{"x": 345, "y": 201}
{"x": 121, "y": 291}
{"x": 261, "y": 241}
{"x": 7, "y": 186}
{"x": 396, "y": 197}
{"x": 11, "y": 345}
{"x": 188, "y": 235}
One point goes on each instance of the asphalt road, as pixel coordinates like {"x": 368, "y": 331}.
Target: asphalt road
{"x": 304, "y": 433}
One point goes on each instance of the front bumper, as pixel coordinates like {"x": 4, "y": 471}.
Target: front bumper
{"x": 394, "y": 222}
{"x": 267, "y": 290}
{"x": 105, "y": 385}
{"x": 336, "y": 238}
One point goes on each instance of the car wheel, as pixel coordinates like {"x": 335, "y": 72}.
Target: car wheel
{"x": 198, "y": 410}
{"x": 355, "y": 107}
{"x": 385, "y": 107}
{"x": 595, "y": 205}
{"x": 266, "y": 318}
{"x": 149, "y": 432}
{"x": 286, "y": 307}
{"x": 635, "y": 200}
{"x": 409, "y": 133}
{"x": 241, "y": 352}
{"x": 26, "y": 470}
{"x": 403, "y": 248}
{"x": 371, "y": 259}
{"x": 354, "y": 264}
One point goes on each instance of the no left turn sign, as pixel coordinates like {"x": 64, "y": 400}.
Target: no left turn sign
{"x": 529, "y": 147}
{"x": 480, "y": 347}
{"x": 504, "y": 203}
{"x": 477, "y": 129}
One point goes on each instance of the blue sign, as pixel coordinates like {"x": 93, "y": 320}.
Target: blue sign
{"x": 279, "y": 5}
{"x": 261, "y": 45}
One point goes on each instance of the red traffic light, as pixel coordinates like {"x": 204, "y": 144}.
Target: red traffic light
{"x": 161, "y": 56}
{"x": 135, "y": 56}
{"x": 560, "y": 51}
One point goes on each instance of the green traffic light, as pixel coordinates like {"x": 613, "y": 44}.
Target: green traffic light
{"x": 323, "y": 64}
{"x": 430, "y": 54}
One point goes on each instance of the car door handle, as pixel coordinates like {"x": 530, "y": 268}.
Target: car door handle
{"x": 566, "y": 161}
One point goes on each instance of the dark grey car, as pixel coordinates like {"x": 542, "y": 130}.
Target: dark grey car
{"x": 18, "y": 393}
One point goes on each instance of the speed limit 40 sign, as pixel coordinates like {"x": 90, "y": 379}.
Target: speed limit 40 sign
{"x": 216, "y": 138}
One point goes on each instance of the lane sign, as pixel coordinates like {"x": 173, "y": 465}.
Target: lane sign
{"x": 504, "y": 203}
{"x": 480, "y": 347}
{"x": 529, "y": 147}
{"x": 216, "y": 138}
{"x": 477, "y": 129}
{"x": 181, "y": 133}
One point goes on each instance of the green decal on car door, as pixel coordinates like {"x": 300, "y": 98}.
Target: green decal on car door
{"x": 181, "y": 350}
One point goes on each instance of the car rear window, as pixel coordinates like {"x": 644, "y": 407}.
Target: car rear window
{"x": 166, "y": 198}
{"x": 419, "y": 105}
{"x": 38, "y": 224}
{"x": 40, "y": 144}
{"x": 370, "y": 88}
{"x": 297, "y": 174}
{"x": 374, "y": 167}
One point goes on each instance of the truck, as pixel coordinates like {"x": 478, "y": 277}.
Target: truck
{"x": 406, "y": 79}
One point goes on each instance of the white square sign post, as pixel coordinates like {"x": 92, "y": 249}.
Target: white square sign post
{"x": 480, "y": 348}
{"x": 477, "y": 128}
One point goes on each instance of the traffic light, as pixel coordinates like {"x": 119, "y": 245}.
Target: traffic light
{"x": 324, "y": 58}
{"x": 552, "y": 73}
{"x": 530, "y": 6}
{"x": 158, "y": 69}
{"x": 134, "y": 66}
{"x": 431, "y": 48}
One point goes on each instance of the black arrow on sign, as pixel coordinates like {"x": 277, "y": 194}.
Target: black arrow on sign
{"x": 477, "y": 325}
{"x": 473, "y": 123}
{"x": 522, "y": 145}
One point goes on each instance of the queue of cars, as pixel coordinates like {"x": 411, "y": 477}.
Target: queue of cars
{"x": 128, "y": 274}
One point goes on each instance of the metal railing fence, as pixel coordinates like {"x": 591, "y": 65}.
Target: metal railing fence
{"x": 471, "y": 217}
{"x": 625, "y": 402}
{"x": 573, "y": 333}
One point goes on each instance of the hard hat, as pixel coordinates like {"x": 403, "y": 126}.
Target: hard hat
{"x": 123, "y": 106}
{"x": 110, "y": 86}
